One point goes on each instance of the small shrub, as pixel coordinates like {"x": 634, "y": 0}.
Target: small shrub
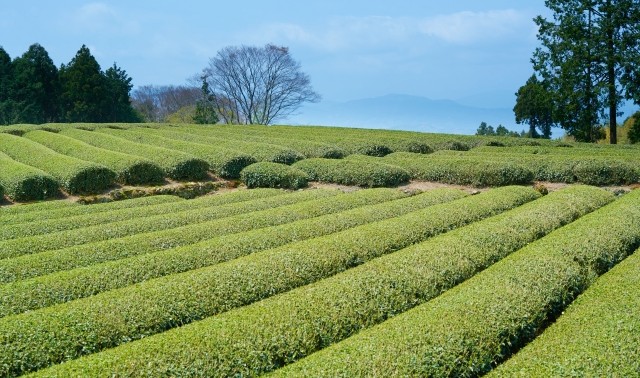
{"x": 273, "y": 175}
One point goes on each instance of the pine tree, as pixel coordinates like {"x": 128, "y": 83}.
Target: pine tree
{"x": 6, "y": 76}
{"x": 534, "y": 106}
{"x": 117, "y": 102}
{"x": 84, "y": 89}
{"x": 36, "y": 87}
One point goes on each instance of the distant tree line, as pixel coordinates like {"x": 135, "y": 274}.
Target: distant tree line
{"x": 488, "y": 130}
{"x": 33, "y": 90}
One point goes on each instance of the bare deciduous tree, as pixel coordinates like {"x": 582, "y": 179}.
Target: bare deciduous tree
{"x": 257, "y": 85}
{"x": 156, "y": 103}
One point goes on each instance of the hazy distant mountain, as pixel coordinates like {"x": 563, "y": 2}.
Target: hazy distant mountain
{"x": 406, "y": 113}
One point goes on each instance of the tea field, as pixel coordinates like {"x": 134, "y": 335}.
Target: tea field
{"x": 364, "y": 280}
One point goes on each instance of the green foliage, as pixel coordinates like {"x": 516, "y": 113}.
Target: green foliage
{"x": 307, "y": 220}
{"x": 471, "y": 327}
{"x": 41, "y": 211}
{"x": 6, "y": 82}
{"x": 36, "y": 88}
{"x": 176, "y": 165}
{"x": 534, "y": 106}
{"x": 223, "y": 287}
{"x": 117, "y": 104}
{"x": 25, "y": 183}
{"x": 74, "y": 175}
{"x": 224, "y": 162}
{"x": 77, "y": 237}
{"x": 596, "y": 336}
{"x": 130, "y": 169}
{"x": 205, "y": 111}
{"x": 461, "y": 170}
{"x": 83, "y": 88}
{"x": 273, "y": 175}
{"x": 367, "y": 172}
{"x": 634, "y": 130}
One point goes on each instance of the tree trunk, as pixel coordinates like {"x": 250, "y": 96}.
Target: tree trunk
{"x": 611, "y": 76}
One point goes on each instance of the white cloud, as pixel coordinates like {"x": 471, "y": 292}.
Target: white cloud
{"x": 100, "y": 18}
{"x": 470, "y": 27}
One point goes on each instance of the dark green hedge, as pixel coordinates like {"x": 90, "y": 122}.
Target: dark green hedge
{"x": 369, "y": 173}
{"x": 21, "y": 182}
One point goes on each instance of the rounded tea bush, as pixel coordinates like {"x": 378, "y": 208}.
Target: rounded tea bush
{"x": 273, "y": 175}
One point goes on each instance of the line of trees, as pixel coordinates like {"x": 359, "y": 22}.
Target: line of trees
{"x": 588, "y": 64}
{"x": 33, "y": 90}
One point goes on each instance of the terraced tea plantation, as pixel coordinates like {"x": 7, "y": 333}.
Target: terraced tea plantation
{"x": 41, "y": 162}
{"x": 374, "y": 282}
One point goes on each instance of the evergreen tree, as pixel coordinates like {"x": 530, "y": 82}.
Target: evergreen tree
{"x": 534, "y": 106}
{"x": 117, "y": 102}
{"x": 36, "y": 87}
{"x": 6, "y": 76}
{"x": 589, "y": 56}
{"x": 84, "y": 89}
{"x": 205, "y": 112}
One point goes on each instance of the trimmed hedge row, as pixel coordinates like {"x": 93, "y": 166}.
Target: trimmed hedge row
{"x": 148, "y": 234}
{"x": 343, "y": 212}
{"x": 130, "y": 169}
{"x": 597, "y": 335}
{"x": 469, "y": 329}
{"x": 74, "y": 175}
{"x": 273, "y": 175}
{"x": 137, "y": 208}
{"x": 587, "y": 169}
{"x": 22, "y": 182}
{"x": 37, "y": 212}
{"x": 461, "y": 171}
{"x": 223, "y": 162}
{"x": 219, "y": 288}
{"x": 260, "y": 151}
{"x": 176, "y": 165}
{"x": 369, "y": 173}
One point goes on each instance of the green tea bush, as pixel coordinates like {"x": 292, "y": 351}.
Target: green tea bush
{"x": 260, "y": 151}
{"x": 273, "y": 175}
{"x": 74, "y": 175}
{"x": 212, "y": 290}
{"x": 454, "y": 170}
{"x": 43, "y": 254}
{"x": 41, "y": 211}
{"x": 308, "y": 220}
{"x": 474, "y": 326}
{"x": 596, "y": 336}
{"x": 223, "y": 162}
{"x": 368, "y": 173}
{"x": 176, "y": 165}
{"x": 138, "y": 208}
{"x": 130, "y": 169}
{"x": 21, "y": 182}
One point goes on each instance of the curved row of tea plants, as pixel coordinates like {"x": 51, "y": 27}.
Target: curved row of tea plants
{"x": 473, "y": 327}
{"x": 164, "y": 303}
{"x": 22, "y": 182}
{"x": 136, "y": 208}
{"x": 130, "y": 169}
{"x": 597, "y": 335}
{"x": 348, "y": 211}
{"x": 96, "y": 244}
{"x": 366, "y": 173}
{"x": 263, "y": 336}
{"x": 74, "y": 175}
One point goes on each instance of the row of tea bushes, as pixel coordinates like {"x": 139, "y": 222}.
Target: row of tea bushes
{"x": 165, "y": 303}
{"x": 259, "y": 151}
{"x": 137, "y": 208}
{"x": 224, "y": 162}
{"x": 320, "y": 218}
{"x": 57, "y": 240}
{"x": 175, "y": 164}
{"x": 263, "y": 336}
{"x": 50, "y": 210}
{"x": 273, "y": 175}
{"x": 22, "y": 182}
{"x": 130, "y": 169}
{"x": 367, "y": 173}
{"x": 597, "y": 335}
{"x": 73, "y": 175}
{"x": 471, "y": 328}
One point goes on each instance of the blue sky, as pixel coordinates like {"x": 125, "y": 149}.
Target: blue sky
{"x": 468, "y": 50}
